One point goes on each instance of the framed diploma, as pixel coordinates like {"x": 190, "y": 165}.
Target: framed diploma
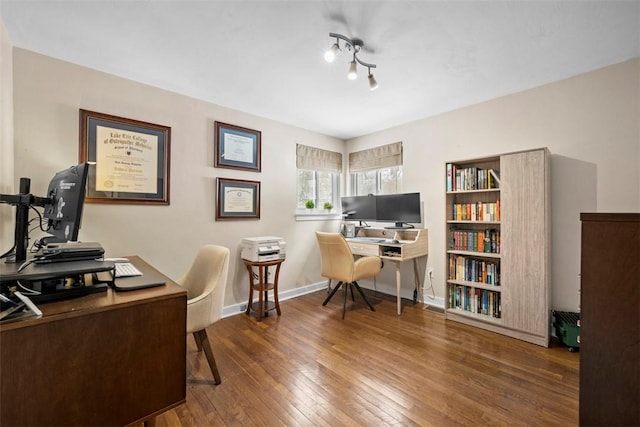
{"x": 237, "y": 147}
{"x": 237, "y": 199}
{"x": 129, "y": 159}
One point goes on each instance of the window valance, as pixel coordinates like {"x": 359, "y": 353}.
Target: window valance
{"x": 318, "y": 159}
{"x": 383, "y": 156}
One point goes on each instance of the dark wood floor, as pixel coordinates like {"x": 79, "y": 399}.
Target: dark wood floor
{"x": 310, "y": 367}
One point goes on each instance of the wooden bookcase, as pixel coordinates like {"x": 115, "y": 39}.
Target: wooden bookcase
{"x": 498, "y": 244}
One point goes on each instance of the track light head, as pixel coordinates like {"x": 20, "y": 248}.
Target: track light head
{"x": 330, "y": 54}
{"x": 373, "y": 84}
{"x": 353, "y": 70}
{"x": 355, "y": 46}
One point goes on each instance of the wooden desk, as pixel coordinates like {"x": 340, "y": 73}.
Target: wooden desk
{"x": 413, "y": 244}
{"x": 111, "y": 358}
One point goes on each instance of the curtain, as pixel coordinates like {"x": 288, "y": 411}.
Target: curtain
{"x": 383, "y": 156}
{"x": 318, "y": 159}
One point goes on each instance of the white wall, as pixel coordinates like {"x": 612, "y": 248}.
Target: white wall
{"x": 48, "y": 95}
{"x": 6, "y": 138}
{"x": 590, "y": 123}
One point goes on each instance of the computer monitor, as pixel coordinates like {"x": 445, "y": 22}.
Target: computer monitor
{"x": 401, "y": 209}
{"x": 359, "y": 208}
{"x": 62, "y": 209}
{"x": 66, "y": 193}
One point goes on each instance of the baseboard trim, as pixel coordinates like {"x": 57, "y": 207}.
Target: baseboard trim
{"x": 234, "y": 309}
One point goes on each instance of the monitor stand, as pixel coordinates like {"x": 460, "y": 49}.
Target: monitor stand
{"x": 400, "y": 226}
{"x": 68, "y": 293}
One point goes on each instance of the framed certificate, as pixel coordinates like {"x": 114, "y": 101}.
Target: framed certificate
{"x": 237, "y": 199}
{"x": 129, "y": 160}
{"x": 237, "y": 147}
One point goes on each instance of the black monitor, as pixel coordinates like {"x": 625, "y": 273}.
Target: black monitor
{"x": 359, "y": 208}
{"x": 62, "y": 209}
{"x": 401, "y": 209}
{"x": 64, "y": 212}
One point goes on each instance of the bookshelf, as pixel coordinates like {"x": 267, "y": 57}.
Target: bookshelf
{"x": 498, "y": 244}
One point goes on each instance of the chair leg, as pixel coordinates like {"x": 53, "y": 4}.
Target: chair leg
{"x": 335, "y": 289}
{"x": 344, "y": 304}
{"x": 198, "y": 340}
{"x": 201, "y": 336}
{"x": 363, "y": 297}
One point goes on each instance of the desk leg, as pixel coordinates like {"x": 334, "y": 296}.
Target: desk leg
{"x": 416, "y": 275}
{"x": 398, "y": 287}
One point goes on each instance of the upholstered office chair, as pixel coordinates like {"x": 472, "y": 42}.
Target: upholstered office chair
{"x": 338, "y": 264}
{"x": 205, "y": 283}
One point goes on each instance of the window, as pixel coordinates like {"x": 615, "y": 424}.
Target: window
{"x": 378, "y": 181}
{"x": 318, "y": 177}
{"x": 318, "y": 186}
{"x": 376, "y": 170}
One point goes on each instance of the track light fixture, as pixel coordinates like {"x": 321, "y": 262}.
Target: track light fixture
{"x": 352, "y": 45}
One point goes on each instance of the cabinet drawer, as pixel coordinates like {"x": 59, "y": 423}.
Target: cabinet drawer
{"x": 364, "y": 249}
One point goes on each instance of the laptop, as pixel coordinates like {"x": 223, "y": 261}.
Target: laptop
{"x": 69, "y": 251}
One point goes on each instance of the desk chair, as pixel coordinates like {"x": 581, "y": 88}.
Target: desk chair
{"x": 338, "y": 264}
{"x": 205, "y": 283}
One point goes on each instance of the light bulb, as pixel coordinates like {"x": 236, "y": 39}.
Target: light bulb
{"x": 330, "y": 54}
{"x": 353, "y": 71}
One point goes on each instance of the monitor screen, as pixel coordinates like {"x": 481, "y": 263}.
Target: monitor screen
{"x": 64, "y": 210}
{"x": 399, "y": 208}
{"x": 359, "y": 208}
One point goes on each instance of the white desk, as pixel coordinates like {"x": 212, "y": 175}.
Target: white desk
{"x": 412, "y": 244}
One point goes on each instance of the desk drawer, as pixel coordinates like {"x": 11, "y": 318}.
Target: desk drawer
{"x": 365, "y": 249}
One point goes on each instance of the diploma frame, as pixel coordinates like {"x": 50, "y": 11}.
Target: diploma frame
{"x": 237, "y": 199}
{"x": 155, "y": 173}
{"x": 237, "y": 147}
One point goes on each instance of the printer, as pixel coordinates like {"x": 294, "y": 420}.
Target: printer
{"x": 265, "y": 248}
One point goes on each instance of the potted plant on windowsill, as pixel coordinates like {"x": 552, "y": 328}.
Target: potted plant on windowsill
{"x": 309, "y": 204}
{"x": 328, "y": 206}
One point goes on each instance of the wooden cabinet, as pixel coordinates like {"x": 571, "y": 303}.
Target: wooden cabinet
{"x": 498, "y": 244}
{"x": 110, "y": 358}
{"x": 610, "y": 320}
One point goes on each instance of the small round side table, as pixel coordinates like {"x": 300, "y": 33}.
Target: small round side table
{"x": 263, "y": 286}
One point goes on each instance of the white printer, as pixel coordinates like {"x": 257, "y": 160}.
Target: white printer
{"x": 260, "y": 249}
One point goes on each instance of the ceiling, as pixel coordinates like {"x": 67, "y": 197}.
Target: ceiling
{"x": 266, "y": 57}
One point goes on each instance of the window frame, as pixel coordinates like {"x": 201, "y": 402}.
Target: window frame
{"x": 319, "y": 213}
{"x": 354, "y": 180}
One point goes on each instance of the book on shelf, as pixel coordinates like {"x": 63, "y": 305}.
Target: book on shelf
{"x": 494, "y": 179}
{"x": 469, "y": 240}
{"x": 471, "y": 178}
{"x": 472, "y": 269}
{"x": 480, "y": 211}
{"x": 474, "y": 300}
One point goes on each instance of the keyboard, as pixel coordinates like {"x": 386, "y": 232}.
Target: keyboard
{"x": 126, "y": 269}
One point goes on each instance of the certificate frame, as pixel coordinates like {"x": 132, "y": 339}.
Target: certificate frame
{"x": 245, "y": 203}
{"x": 237, "y": 147}
{"x": 131, "y": 157}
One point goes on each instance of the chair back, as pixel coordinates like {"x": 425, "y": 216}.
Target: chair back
{"x": 337, "y": 259}
{"x": 205, "y": 283}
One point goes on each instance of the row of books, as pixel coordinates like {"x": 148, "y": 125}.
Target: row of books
{"x": 476, "y": 211}
{"x": 474, "y": 270}
{"x": 471, "y": 178}
{"x": 487, "y": 241}
{"x": 479, "y": 301}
